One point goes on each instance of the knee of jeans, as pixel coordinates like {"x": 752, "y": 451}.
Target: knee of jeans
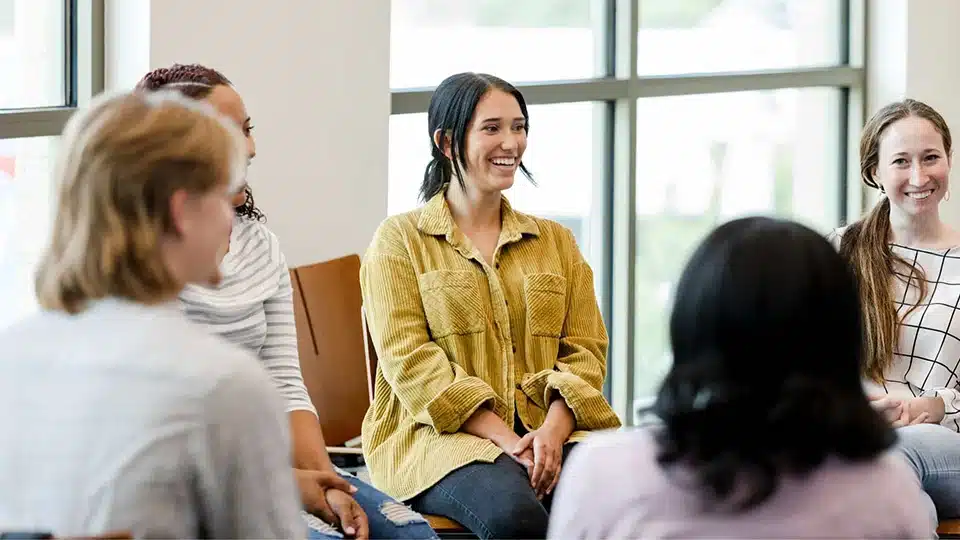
{"x": 524, "y": 518}
{"x": 924, "y": 437}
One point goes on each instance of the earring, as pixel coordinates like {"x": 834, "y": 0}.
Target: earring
{"x": 946, "y": 195}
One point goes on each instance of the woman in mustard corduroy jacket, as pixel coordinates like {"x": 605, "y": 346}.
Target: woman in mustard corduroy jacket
{"x": 492, "y": 349}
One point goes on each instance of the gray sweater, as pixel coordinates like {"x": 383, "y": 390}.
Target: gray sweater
{"x": 128, "y": 417}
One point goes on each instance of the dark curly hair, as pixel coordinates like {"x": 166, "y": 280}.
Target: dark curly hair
{"x": 766, "y": 337}
{"x": 197, "y": 81}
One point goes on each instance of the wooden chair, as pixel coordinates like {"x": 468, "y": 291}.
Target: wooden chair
{"x": 949, "y": 528}
{"x": 330, "y": 340}
{"x": 445, "y": 527}
{"x": 333, "y": 343}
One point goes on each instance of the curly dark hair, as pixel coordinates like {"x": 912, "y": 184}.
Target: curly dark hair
{"x": 766, "y": 337}
{"x": 196, "y": 81}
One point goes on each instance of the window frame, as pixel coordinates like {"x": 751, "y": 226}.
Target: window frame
{"x": 83, "y": 74}
{"x": 620, "y": 87}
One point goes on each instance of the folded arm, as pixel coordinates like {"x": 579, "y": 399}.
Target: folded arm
{"x": 577, "y": 377}
{"x": 281, "y": 359}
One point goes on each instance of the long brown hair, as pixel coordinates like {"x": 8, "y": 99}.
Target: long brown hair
{"x": 866, "y": 243}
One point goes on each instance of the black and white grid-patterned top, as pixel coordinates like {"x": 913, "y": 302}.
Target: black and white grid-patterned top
{"x": 927, "y": 356}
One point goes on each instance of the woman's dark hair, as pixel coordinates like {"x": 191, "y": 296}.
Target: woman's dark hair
{"x": 451, "y": 110}
{"x": 766, "y": 338}
{"x": 197, "y": 81}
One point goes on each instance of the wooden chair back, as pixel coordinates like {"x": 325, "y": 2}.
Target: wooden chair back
{"x": 330, "y": 340}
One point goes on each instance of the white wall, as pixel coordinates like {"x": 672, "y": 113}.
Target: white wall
{"x": 911, "y": 54}
{"x": 315, "y": 78}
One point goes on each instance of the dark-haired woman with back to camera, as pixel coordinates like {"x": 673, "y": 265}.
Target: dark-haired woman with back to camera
{"x": 491, "y": 344}
{"x": 766, "y": 431}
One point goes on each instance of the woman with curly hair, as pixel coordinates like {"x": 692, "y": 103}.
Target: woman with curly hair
{"x": 253, "y": 306}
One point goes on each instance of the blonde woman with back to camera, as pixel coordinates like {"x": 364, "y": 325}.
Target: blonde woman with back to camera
{"x": 907, "y": 263}
{"x": 124, "y": 416}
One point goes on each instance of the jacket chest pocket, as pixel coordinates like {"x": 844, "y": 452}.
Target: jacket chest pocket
{"x": 546, "y": 299}
{"x": 452, "y": 302}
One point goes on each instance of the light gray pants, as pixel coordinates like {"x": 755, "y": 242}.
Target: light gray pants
{"x": 933, "y": 452}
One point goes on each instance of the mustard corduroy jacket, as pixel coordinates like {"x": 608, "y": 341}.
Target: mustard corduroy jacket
{"x": 454, "y": 333}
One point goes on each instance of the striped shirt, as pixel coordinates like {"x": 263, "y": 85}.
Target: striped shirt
{"x": 253, "y": 307}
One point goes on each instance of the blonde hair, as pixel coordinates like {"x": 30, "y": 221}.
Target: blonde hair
{"x": 122, "y": 159}
{"x": 866, "y": 243}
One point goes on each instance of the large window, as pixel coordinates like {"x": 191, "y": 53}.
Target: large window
{"x": 33, "y": 51}
{"x": 25, "y": 215}
{"x": 711, "y": 36}
{"x": 519, "y": 40}
{"x": 703, "y": 159}
{"x": 652, "y": 122}
{"x": 50, "y": 64}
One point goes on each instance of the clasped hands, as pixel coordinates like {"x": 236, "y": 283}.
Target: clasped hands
{"x": 541, "y": 451}
{"x": 910, "y": 410}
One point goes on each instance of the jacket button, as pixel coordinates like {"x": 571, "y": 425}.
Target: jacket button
{"x": 514, "y": 348}
{"x": 519, "y": 387}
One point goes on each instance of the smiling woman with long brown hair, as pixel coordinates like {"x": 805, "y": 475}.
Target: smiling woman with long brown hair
{"x": 907, "y": 263}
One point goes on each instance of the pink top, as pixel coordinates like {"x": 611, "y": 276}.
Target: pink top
{"x": 612, "y": 487}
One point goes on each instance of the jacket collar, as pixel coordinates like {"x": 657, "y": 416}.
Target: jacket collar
{"x": 436, "y": 218}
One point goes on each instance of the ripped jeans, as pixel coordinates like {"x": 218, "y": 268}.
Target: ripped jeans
{"x": 386, "y": 517}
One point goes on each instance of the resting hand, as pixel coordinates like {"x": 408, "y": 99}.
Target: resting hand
{"x": 890, "y": 407}
{"x": 313, "y": 491}
{"x": 932, "y": 409}
{"x": 350, "y": 517}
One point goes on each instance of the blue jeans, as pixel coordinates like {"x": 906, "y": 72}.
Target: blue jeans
{"x": 492, "y": 500}
{"x": 933, "y": 452}
{"x": 386, "y": 517}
